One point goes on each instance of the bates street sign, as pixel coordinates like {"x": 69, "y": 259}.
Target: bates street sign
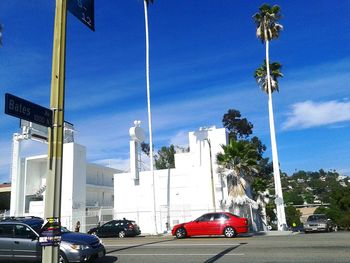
{"x": 84, "y": 11}
{"x": 27, "y": 110}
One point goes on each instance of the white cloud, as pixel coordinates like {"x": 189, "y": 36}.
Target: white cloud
{"x": 120, "y": 164}
{"x": 180, "y": 139}
{"x": 309, "y": 114}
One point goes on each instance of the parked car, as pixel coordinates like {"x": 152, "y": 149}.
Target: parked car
{"x": 19, "y": 241}
{"x": 318, "y": 223}
{"x": 221, "y": 223}
{"x": 117, "y": 228}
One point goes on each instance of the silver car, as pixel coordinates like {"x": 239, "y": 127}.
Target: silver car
{"x": 19, "y": 241}
{"x": 318, "y": 223}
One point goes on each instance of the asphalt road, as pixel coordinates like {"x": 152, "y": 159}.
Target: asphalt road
{"x": 319, "y": 248}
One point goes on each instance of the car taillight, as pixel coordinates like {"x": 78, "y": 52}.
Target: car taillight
{"x": 130, "y": 226}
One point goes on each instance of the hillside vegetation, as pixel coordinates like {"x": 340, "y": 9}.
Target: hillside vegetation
{"x": 328, "y": 189}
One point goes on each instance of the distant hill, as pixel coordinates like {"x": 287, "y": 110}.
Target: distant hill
{"x": 320, "y": 188}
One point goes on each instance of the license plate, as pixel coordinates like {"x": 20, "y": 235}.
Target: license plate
{"x": 314, "y": 228}
{"x": 100, "y": 254}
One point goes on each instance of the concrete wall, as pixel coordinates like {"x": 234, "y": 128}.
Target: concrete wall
{"x": 186, "y": 196}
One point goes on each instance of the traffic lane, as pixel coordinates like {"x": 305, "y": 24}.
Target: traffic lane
{"x": 172, "y": 250}
{"x": 311, "y": 248}
{"x": 320, "y": 248}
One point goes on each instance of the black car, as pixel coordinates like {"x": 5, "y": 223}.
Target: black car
{"x": 19, "y": 241}
{"x": 116, "y": 228}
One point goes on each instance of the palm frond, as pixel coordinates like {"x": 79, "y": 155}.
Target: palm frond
{"x": 260, "y": 76}
{"x": 266, "y": 21}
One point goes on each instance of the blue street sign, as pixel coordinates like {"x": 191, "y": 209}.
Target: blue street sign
{"x": 50, "y": 234}
{"x": 27, "y": 110}
{"x": 84, "y": 11}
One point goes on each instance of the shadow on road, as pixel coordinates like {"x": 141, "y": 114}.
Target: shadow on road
{"x": 139, "y": 245}
{"x": 223, "y": 253}
{"x": 106, "y": 259}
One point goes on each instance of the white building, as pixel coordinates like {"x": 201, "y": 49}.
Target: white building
{"x": 192, "y": 188}
{"x": 85, "y": 187}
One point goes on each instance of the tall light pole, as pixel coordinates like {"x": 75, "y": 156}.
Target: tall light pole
{"x": 52, "y": 210}
{"x": 145, "y": 3}
{"x": 211, "y": 175}
{"x": 203, "y": 135}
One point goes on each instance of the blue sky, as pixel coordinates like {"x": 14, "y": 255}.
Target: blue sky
{"x": 203, "y": 56}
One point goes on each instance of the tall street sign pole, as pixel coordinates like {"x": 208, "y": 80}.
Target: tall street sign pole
{"x": 53, "y": 181}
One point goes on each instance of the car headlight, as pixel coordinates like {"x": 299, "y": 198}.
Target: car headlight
{"x": 79, "y": 247}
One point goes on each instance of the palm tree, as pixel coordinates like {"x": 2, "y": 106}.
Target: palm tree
{"x": 146, "y": 4}
{"x": 262, "y": 77}
{"x": 268, "y": 28}
{"x": 238, "y": 163}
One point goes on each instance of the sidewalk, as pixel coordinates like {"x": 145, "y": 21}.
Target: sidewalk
{"x": 272, "y": 233}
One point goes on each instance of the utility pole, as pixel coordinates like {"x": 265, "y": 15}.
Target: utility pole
{"x": 55, "y": 150}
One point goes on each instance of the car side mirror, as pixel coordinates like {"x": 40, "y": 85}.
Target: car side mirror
{"x": 32, "y": 237}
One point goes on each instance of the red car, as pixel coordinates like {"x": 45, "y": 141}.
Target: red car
{"x": 220, "y": 223}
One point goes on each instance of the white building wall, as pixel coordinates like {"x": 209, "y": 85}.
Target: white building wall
{"x": 190, "y": 188}
{"x": 99, "y": 180}
{"x": 77, "y": 193}
{"x": 73, "y": 197}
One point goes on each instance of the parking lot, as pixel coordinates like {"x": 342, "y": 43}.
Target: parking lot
{"x": 295, "y": 248}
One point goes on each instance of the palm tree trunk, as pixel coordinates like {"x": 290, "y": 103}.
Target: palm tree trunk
{"x": 281, "y": 217}
{"x": 149, "y": 113}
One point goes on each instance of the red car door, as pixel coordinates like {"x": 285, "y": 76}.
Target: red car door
{"x": 215, "y": 224}
{"x": 199, "y": 226}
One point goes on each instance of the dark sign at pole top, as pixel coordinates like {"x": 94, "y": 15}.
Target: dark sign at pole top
{"x": 27, "y": 110}
{"x": 84, "y": 11}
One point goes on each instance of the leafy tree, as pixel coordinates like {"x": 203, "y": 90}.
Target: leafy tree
{"x": 309, "y": 198}
{"x": 293, "y": 198}
{"x": 237, "y": 127}
{"x": 145, "y": 148}
{"x": 261, "y": 148}
{"x": 293, "y": 216}
{"x": 165, "y": 158}
{"x": 344, "y": 221}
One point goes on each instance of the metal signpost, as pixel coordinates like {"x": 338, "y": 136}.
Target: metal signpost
{"x": 55, "y": 150}
{"x": 27, "y": 110}
{"x": 52, "y": 210}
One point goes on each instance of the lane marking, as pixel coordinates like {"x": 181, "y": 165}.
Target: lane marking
{"x": 170, "y": 245}
{"x": 213, "y": 254}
